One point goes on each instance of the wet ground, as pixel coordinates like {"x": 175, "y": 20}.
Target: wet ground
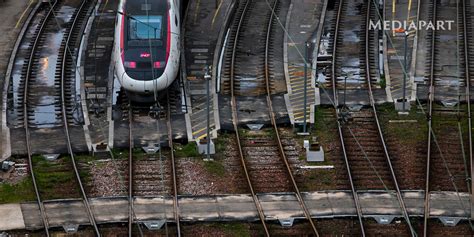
{"x": 43, "y": 93}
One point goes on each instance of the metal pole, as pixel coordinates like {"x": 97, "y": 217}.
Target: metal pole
{"x": 207, "y": 77}
{"x": 405, "y": 73}
{"x": 345, "y": 86}
{"x": 305, "y": 85}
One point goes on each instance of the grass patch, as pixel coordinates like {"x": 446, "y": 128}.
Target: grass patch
{"x": 86, "y": 177}
{"x": 85, "y": 158}
{"x": 271, "y": 132}
{"x": 325, "y": 126}
{"x": 233, "y": 229}
{"x": 382, "y": 82}
{"x": 120, "y": 153}
{"x": 138, "y": 153}
{"x": 188, "y": 150}
{"x": 55, "y": 179}
{"x": 320, "y": 179}
{"x": 244, "y": 133}
{"x": 20, "y": 192}
{"x": 215, "y": 167}
{"x": 221, "y": 142}
{"x": 406, "y": 132}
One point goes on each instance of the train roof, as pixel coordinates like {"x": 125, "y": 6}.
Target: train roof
{"x": 140, "y": 7}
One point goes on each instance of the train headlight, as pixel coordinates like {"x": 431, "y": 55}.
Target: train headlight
{"x": 159, "y": 64}
{"x": 130, "y": 64}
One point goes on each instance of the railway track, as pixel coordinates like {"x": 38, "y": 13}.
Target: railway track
{"x": 449, "y": 153}
{"x": 261, "y": 152}
{"x": 151, "y": 174}
{"x": 365, "y": 153}
{"x": 32, "y": 88}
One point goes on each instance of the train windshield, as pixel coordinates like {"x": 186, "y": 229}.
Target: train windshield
{"x": 145, "y": 27}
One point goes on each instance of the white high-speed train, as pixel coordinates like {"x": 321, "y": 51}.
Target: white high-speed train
{"x": 147, "y": 49}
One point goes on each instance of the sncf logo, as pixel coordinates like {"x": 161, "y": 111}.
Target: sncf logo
{"x": 144, "y": 55}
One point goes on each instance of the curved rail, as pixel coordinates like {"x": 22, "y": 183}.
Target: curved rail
{"x": 25, "y": 119}
{"x": 468, "y": 91}
{"x": 339, "y": 126}
{"x": 275, "y": 127}
{"x": 66, "y": 126}
{"x": 430, "y": 110}
{"x": 236, "y": 126}
{"x": 173, "y": 168}
{"x": 381, "y": 137}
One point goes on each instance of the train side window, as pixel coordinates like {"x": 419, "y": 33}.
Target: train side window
{"x": 175, "y": 20}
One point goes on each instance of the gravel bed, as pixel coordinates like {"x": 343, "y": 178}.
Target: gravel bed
{"x": 222, "y": 176}
{"x": 105, "y": 179}
{"x": 16, "y": 174}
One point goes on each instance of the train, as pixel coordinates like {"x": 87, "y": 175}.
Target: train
{"x": 146, "y": 50}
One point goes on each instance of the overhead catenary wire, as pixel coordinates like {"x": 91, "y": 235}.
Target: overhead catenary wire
{"x": 417, "y": 100}
{"x": 67, "y": 48}
{"x": 69, "y": 146}
{"x": 321, "y": 86}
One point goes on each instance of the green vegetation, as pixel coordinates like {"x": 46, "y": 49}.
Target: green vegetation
{"x": 243, "y": 133}
{"x": 215, "y": 167}
{"x": 20, "y": 192}
{"x": 383, "y": 82}
{"x": 120, "y": 153}
{"x": 237, "y": 229}
{"x": 55, "y": 179}
{"x": 325, "y": 127}
{"x": 85, "y": 158}
{"x": 221, "y": 142}
{"x": 188, "y": 150}
{"x": 232, "y": 229}
{"x": 404, "y": 132}
{"x": 325, "y": 177}
{"x": 319, "y": 179}
{"x": 270, "y": 132}
{"x": 441, "y": 120}
{"x": 137, "y": 153}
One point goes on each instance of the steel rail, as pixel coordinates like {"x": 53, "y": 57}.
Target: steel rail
{"x": 25, "y": 119}
{"x": 65, "y": 123}
{"x": 430, "y": 110}
{"x": 173, "y": 166}
{"x": 274, "y": 124}
{"x": 130, "y": 170}
{"x": 339, "y": 126}
{"x": 468, "y": 93}
{"x": 236, "y": 125}
{"x": 379, "y": 129}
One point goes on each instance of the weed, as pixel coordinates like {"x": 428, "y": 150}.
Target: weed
{"x": 221, "y": 142}
{"x": 407, "y": 132}
{"x": 16, "y": 193}
{"x": 233, "y": 229}
{"x": 382, "y": 82}
{"x": 215, "y": 167}
{"x": 188, "y": 150}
